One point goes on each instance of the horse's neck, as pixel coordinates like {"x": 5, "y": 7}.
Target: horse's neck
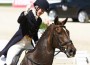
{"x": 44, "y": 51}
{"x": 44, "y": 46}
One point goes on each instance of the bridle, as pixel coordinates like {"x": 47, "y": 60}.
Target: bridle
{"x": 62, "y": 44}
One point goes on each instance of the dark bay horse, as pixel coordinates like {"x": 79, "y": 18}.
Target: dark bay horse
{"x": 55, "y": 36}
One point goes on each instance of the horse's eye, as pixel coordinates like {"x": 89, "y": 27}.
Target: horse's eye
{"x": 58, "y": 28}
{"x": 59, "y": 33}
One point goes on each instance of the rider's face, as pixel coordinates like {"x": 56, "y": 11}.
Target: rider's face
{"x": 40, "y": 11}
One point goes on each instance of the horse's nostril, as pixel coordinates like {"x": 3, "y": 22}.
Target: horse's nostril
{"x": 71, "y": 51}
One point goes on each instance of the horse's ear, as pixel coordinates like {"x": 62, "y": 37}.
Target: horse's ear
{"x": 64, "y": 22}
{"x": 56, "y": 20}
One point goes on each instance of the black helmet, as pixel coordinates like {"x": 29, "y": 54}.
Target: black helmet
{"x": 42, "y": 4}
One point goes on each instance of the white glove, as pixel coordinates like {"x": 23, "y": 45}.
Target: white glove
{"x": 27, "y": 9}
{"x": 29, "y": 6}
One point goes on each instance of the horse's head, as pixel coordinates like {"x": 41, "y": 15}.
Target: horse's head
{"x": 61, "y": 38}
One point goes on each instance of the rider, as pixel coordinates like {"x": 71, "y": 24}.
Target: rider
{"x": 30, "y": 22}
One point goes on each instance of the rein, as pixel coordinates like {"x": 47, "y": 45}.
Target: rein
{"x": 61, "y": 47}
{"x": 57, "y": 53}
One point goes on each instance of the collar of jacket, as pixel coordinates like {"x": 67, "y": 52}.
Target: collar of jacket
{"x": 34, "y": 12}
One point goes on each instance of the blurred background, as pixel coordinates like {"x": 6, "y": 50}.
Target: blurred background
{"x": 79, "y": 31}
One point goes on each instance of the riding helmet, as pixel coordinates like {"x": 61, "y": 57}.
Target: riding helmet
{"x": 42, "y": 4}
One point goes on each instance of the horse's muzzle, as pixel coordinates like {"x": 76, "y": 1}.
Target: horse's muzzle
{"x": 70, "y": 53}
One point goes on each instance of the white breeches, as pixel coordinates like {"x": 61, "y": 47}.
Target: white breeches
{"x": 15, "y": 49}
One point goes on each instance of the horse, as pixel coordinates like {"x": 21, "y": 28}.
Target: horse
{"x": 55, "y": 36}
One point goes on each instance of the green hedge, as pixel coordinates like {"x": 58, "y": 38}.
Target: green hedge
{"x": 43, "y": 26}
{"x": 5, "y": 4}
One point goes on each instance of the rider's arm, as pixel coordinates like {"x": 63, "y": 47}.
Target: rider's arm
{"x": 22, "y": 18}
